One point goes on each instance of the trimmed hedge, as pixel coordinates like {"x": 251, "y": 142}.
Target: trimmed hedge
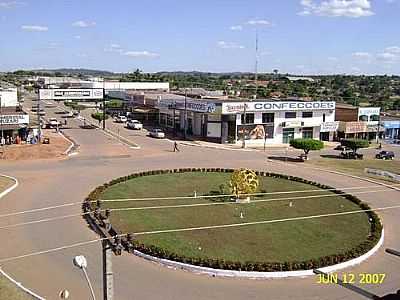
{"x": 368, "y": 244}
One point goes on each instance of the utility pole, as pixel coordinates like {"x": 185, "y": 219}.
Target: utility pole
{"x": 185, "y": 116}
{"x": 38, "y": 117}
{"x": 256, "y": 66}
{"x": 244, "y": 127}
{"x": 104, "y": 110}
{"x": 108, "y": 277}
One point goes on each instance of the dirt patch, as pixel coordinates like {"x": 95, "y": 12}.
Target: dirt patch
{"x": 55, "y": 150}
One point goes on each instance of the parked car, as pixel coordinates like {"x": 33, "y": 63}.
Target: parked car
{"x": 121, "y": 119}
{"x": 351, "y": 155}
{"x": 42, "y": 113}
{"x": 385, "y": 155}
{"x": 134, "y": 124}
{"x": 340, "y": 148}
{"x": 68, "y": 114}
{"x": 157, "y": 133}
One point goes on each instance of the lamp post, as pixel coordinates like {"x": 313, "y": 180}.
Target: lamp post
{"x": 81, "y": 262}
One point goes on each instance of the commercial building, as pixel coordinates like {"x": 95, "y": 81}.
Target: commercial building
{"x": 391, "y": 126}
{"x": 259, "y": 122}
{"x": 13, "y": 120}
{"x": 358, "y": 122}
{"x": 9, "y": 97}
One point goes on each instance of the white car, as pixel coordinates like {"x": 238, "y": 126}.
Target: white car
{"x": 157, "y": 133}
{"x": 134, "y": 124}
{"x": 121, "y": 119}
{"x": 53, "y": 122}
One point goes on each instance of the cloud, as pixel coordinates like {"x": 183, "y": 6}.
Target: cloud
{"x": 236, "y": 27}
{"x": 393, "y": 49}
{"x": 229, "y": 45}
{"x": 259, "y": 22}
{"x": 362, "y": 54}
{"x": 78, "y": 37}
{"x": 10, "y": 4}
{"x": 332, "y": 58}
{"x": 83, "y": 24}
{"x": 34, "y": 28}
{"x": 114, "y": 48}
{"x": 337, "y": 8}
{"x": 140, "y": 54}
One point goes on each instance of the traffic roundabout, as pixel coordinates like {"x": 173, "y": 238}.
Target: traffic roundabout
{"x": 188, "y": 218}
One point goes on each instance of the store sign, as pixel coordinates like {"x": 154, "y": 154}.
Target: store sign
{"x": 293, "y": 124}
{"x": 191, "y": 105}
{"x": 369, "y": 111}
{"x": 14, "y": 119}
{"x": 353, "y": 127}
{"x": 329, "y": 126}
{"x": 231, "y": 108}
{"x": 68, "y": 94}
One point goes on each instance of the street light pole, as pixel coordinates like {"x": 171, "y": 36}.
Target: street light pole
{"x": 81, "y": 262}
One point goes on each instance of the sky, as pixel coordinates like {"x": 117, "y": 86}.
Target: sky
{"x": 294, "y": 36}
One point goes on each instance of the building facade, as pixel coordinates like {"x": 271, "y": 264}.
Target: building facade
{"x": 257, "y": 122}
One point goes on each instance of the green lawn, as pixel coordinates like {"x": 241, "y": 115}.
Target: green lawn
{"x": 356, "y": 166}
{"x": 10, "y": 292}
{"x": 5, "y": 183}
{"x": 278, "y": 242}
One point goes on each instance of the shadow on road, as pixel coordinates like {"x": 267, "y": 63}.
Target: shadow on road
{"x": 286, "y": 158}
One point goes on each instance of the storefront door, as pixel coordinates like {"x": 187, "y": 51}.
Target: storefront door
{"x": 288, "y": 135}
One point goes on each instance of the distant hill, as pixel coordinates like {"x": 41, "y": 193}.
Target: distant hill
{"x": 74, "y": 72}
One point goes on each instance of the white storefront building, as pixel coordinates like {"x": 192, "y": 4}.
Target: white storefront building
{"x": 277, "y": 122}
{"x": 259, "y": 122}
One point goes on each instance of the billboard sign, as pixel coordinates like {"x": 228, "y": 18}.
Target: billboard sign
{"x": 70, "y": 94}
{"x": 14, "y": 119}
{"x": 272, "y": 106}
{"x": 191, "y": 105}
{"x": 255, "y": 132}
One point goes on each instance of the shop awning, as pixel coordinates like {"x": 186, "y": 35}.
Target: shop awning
{"x": 11, "y": 126}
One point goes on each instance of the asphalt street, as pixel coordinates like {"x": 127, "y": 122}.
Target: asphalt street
{"x": 102, "y": 158}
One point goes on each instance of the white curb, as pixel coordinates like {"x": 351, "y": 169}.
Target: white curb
{"x": 18, "y": 284}
{"x": 260, "y": 275}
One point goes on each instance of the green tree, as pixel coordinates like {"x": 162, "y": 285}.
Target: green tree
{"x": 99, "y": 116}
{"x": 307, "y": 145}
{"x": 354, "y": 144}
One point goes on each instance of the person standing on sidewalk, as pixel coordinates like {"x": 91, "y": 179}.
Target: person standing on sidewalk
{"x": 176, "y": 149}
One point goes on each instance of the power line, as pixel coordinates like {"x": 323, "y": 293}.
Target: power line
{"x": 197, "y": 228}
{"x": 179, "y": 206}
{"x": 57, "y": 249}
{"x": 179, "y": 198}
{"x": 230, "y": 195}
{"x": 266, "y": 221}
{"x": 233, "y": 203}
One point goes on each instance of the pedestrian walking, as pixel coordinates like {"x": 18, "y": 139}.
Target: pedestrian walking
{"x": 176, "y": 149}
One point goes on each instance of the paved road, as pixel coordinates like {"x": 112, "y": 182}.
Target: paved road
{"x": 102, "y": 158}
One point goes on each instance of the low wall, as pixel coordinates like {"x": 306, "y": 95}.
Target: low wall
{"x": 260, "y": 275}
{"x": 382, "y": 173}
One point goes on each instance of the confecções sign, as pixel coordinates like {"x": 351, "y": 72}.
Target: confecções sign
{"x": 276, "y": 106}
